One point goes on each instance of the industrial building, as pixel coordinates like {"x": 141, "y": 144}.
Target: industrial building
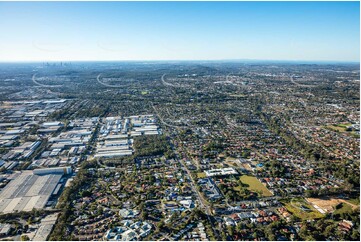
{"x": 116, "y": 134}
{"x": 55, "y": 170}
{"x": 31, "y": 189}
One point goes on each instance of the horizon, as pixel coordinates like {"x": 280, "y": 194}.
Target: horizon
{"x": 180, "y": 31}
{"x": 188, "y": 60}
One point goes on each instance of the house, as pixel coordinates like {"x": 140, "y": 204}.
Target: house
{"x": 129, "y": 232}
{"x": 234, "y": 217}
{"x": 187, "y": 203}
{"x": 229, "y": 221}
{"x": 345, "y": 225}
{"x": 129, "y": 235}
{"x": 5, "y": 229}
{"x": 128, "y": 213}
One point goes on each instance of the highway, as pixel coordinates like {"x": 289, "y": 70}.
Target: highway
{"x": 43, "y": 85}
{"x": 161, "y": 119}
{"x": 170, "y": 84}
{"x": 107, "y": 85}
{"x": 167, "y": 83}
{"x": 300, "y": 85}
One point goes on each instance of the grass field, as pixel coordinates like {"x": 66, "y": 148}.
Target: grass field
{"x": 302, "y": 209}
{"x": 342, "y": 128}
{"x": 343, "y": 125}
{"x": 338, "y": 127}
{"x": 237, "y": 95}
{"x": 346, "y": 208}
{"x": 230, "y": 159}
{"x": 201, "y": 175}
{"x": 232, "y": 162}
{"x": 355, "y": 201}
{"x": 255, "y": 185}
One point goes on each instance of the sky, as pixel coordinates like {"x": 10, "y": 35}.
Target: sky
{"x": 69, "y": 31}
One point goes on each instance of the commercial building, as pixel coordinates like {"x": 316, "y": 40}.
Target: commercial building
{"x": 221, "y": 172}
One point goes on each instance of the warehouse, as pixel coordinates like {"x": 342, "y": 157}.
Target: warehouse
{"x": 56, "y": 170}
{"x": 114, "y": 154}
{"x": 116, "y": 139}
{"x": 30, "y": 189}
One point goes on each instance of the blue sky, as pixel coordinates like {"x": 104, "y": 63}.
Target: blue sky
{"x": 39, "y": 31}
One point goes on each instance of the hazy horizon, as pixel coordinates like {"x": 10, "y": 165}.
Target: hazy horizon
{"x": 185, "y": 60}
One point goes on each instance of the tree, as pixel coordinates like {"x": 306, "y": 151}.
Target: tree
{"x": 230, "y": 230}
{"x": 269, "y": 232}
{"x": 355, "y": 234}
{"x": 160, "y": 225}
{"x": 24, "y": 238}
{"x": 30, "y": 220}
{"x": 310, "y": 193}
{"x": 86, "y": 193}
{"x": 143, "y": 215}
{"x": 329, "y": 231}
{"x": 223, "y": 235}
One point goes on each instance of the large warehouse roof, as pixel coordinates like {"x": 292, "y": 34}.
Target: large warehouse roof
{"x": 28, "y": 191}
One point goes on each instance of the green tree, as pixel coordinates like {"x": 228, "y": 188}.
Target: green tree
{"x": 24, "y": 238}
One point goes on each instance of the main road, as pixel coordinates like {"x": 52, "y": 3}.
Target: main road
{"x": 107, "y": 85}
{"x": 300, "y": 85}
{"x": 202, "y": 202}
{"x": 43, "y": 85}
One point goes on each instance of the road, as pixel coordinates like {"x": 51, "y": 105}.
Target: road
{"x": 199, "y": 195}
{"x": 300, "y": 85}
{"x": 107, "y": 85}
{"x": 170, "y": 84}
{"x": 161, "y": 119}
{"x": 202, "y": 202}
{"x": 43, "y": 85}
{"x": 167, "y": 83}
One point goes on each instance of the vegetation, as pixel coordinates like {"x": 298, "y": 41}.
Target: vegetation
{"x": 152, "y": 145}
{"x": 255, "y": 185}
{"x": 81, "y": 181}
{"x": 201, "y": 175}
{"x": 301, "y": 209}
{"x": 342, "y": 208}
{"x": 326, "y": 228}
